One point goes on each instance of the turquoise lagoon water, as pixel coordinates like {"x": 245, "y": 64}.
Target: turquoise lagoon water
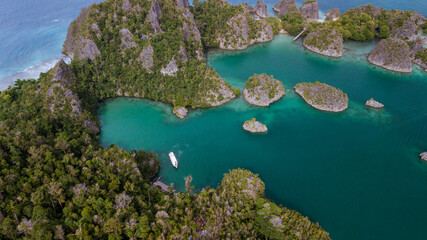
{"x": 357, "y": 173}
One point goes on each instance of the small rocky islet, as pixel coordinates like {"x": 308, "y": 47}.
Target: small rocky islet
{"x": 374, "y": 104}
{"x": 254, "y": 126}
{"x": 423, "y": 156}
{"x": 322, "y": 96}
{"x": 262, "y": 90}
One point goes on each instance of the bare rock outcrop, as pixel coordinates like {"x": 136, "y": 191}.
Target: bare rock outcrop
{"x": 423, "y": 156}
{"x": 322, "y": 96}
{"x": 76, "y": 46}
{"x": 254, "y": 126}
{"x": 180, "y": 112}
{"x": 260, "y": 9}
{"x": 333, "y": 14}
{"x": 392, "y": 54}
{"x": 324, "y": 41}
{"x": 372, "y": 103}
{"x": 262, "y": 90}
{"x": 153, "y": 17}
{"x": 146, "y": 58}
{"x": 171, "y": 69}
{"x": 285, "y": 6}
{"x": 310, "y": 10}
{"x": 126, "y": 37}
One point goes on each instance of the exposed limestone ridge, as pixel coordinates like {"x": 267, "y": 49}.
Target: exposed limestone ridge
{"x": 423, "y": 156}
{"x": 322, "y": 96}
{"x": 190, "y": 29}
{"x": 333, "y": 14}
{"x": 285, "y": 6}
{"x": 260, "y": 9}
{"x": 126, "y": 37}
{"x": 180, "y": 112}
{"x": 324, "y": 41}
{"x": 146, "y": 58}
{"x": 76, "y": 46}
{"x": 153, "y": 16}
{"x": 262, "y": 90}
{"x": 59, "y": 97}
{"x": 171, "y": 69}
{"x": 254, "y": 126}
{"x": 392, "y": 54}
{"x": 63, "y": 74}
{"x": 237, "y": 36}
{"x": 310, "y": 10}
{"x": 372, "y": 103}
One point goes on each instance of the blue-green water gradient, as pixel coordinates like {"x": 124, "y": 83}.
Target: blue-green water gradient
{"x": 357, "y": 173}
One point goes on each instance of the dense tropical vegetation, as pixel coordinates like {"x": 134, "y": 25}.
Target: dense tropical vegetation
{"x": 57, "y": 182}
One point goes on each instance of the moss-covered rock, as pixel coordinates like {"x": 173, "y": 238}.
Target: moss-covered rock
{"x": 254, "y": 126}
{"x": 322, "y": 96}
{"x": 324, "y": 41}
{"x": 262, "y": 90}
{"x": 392, "y": 54}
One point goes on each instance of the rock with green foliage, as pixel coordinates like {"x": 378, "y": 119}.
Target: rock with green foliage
{"x": 242, "y": 31}
{"x": 322, "y": 96}
{"x": 310, "y": 10}
{"x": 144, "y": 48}
{"x": 333, "y": 14}
{"x": 254, "y": 126}
{"x": 325, "y": 41}
{"x": 421, "y": 59}
{"x": 392, "y": 54}
{"x": 286, "y": 7}
{"x": 262, "y": 90}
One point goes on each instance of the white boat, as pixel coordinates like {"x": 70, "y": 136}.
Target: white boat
{"x": 174, "y": 161}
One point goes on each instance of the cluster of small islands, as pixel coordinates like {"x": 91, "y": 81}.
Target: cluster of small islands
{"x": 57, "y": 181}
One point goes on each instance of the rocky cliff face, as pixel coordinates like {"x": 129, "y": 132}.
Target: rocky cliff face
{"x": 76, "y": 45}
{"x": 285, "y": 6}
{"x": 333, "y": 14}
{"x": 324, "y": 41}
{"x": 240, "y": 34}
{"x": 260, "y": 9}
{"x": 392, "y": 54}
{"x": 310, "y": 10}
{"x": 60, "y": 100}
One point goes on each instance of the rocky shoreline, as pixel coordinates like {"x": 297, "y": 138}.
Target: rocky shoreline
{"x": 374, "y": 104}
{"x": 254, "y": 126}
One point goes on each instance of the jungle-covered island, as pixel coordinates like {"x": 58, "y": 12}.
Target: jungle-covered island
{"x": 57, "y": 182}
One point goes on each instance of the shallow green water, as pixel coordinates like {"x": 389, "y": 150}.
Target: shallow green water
{"x": 357, "y": 173}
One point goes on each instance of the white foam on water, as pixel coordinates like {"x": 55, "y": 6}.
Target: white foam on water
{"x": 32, "y": 72}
